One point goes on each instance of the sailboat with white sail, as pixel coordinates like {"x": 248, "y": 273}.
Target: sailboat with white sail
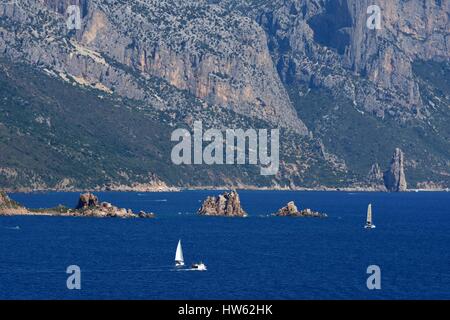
{"x": 179, "y": 259}
{"x": 369, "y": 223}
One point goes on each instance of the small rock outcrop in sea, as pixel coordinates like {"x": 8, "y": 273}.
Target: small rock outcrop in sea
{"x": 227, "y": 205}
{"x": 394, "y": 177}
{"x": 291, "y": 210}
{"x": 143, "y": 214}
{"x": 88, "y": 206}
{"x": 87, "y": 200}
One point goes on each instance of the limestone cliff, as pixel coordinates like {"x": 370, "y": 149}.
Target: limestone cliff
{"x": 311, "y": 67}
{"x": 326, "y": 43}
{"x": 219, "y": 57}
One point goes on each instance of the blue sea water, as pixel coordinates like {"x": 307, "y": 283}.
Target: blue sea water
{"x": 258, "y": 257}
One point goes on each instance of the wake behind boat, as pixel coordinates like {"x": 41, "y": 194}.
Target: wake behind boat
{"x": 179, "y": 260}
{"x": 369, "y": 223}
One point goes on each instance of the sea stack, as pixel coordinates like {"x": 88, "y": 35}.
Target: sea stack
{"x": 87, "y": 200}
{"x": 394, "y": 177}
{"x": 291, "y": 210}
{"x": 227, "y": 205}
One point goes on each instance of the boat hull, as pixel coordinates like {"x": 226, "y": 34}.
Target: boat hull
{"x": 199, "y": 267}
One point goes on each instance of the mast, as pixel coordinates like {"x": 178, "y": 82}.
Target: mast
{"x": 369, "y": 214}
{"x": 179, "y": 254}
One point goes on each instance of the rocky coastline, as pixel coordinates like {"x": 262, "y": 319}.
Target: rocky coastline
{"x": 88, "y": 206}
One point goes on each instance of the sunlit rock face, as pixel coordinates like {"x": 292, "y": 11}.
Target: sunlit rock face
{"x": 259, "y": 59}
{"x": 227, "y": 205}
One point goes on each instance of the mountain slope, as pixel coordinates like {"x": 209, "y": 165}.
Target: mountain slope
{"x": 57, "y": 135}
{"x": 345, "y": 97}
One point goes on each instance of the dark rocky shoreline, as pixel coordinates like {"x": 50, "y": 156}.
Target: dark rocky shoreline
{"x": 88, "y": 206}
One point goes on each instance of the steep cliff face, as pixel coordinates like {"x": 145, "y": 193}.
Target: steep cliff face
{"x": 327, "y": 43}
{"x": 410, "y": 31}
{"x": 375, "y": 177}
{"x": 349, "y": 94}
{"x": 220, "y": 58}
{"x": 371, "y": 75}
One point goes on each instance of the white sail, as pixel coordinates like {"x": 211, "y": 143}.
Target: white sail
{"x": 369, "y": 214}
{"x": 179, "y": 259}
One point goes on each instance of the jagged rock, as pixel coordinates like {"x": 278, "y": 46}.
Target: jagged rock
{"x": 291, "y": 210}
{"x": 106, "y": 205}
{"x": 375, "y": 174}
{"x": 237, "y": 54}
{"x": 394, "y": 178}
{"x": 430, "y": 185}
{"x": 3, "y": 199}
{"x": 87, "y": 200}
{"x": 227, "y": 204}
{"x": 10, "y": 207}
{"x": 143, "y": 214}
{"x": 374, "y": 180}
{"x": 88, "y": 206}
{"x": 193, "y": 45}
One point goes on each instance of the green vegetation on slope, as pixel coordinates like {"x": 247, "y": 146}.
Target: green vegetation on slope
{"x": 362, "y": 139}
{"x": 54, "y": 134}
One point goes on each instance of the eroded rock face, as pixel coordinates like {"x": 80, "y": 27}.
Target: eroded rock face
{"x": 394, "y": 178}
{"x": 3, "y": 198}
{"x": 235, "y": 54}
{"x": 87, "y": 200}
{"x": 88, "y": 206}
{"x": 220, "y": 57}
{"x": 291, "y": 210}
{"x": 10, "y": 207}
{"x": 227, "y": 204}
{"x": 375, "y": 179}
{"x": 310, "y": 38}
